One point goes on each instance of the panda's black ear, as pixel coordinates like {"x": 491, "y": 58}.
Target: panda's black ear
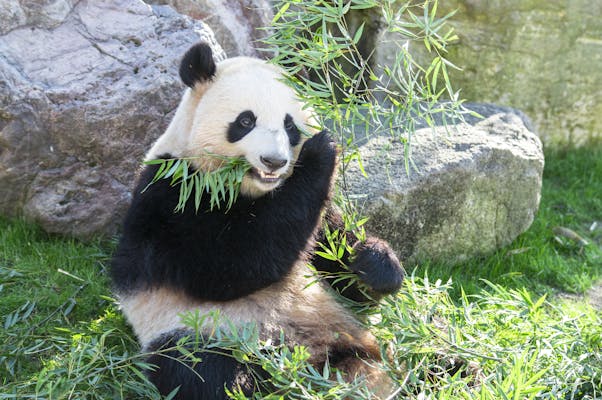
{"x": 197, "y": 64}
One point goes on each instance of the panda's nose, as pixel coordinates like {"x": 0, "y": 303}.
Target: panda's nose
{"x": 273, "y": 163}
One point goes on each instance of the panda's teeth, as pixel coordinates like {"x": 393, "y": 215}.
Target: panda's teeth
{"x": 266, "y": 177}
{"x": 266, "y": 174}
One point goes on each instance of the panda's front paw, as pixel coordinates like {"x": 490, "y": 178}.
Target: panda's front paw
{"x": 377, "y": 266}
{"x": 320, "y": 152}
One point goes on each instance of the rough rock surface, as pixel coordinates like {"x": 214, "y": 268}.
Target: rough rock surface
{"x": 41, "y": 14}
{"x": 85, "y": 87}
{"x": 237, "y": 23}
{"x": 473, "y": 190}
{"x": 543, "y": 57}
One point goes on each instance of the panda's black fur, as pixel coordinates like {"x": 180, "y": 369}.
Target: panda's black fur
{"x": 249, "y": 252}
{"x": 197, "y": 65}
{"x": 254, "y": 244}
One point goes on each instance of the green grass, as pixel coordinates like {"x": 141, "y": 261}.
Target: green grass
{"x": 45, "y": 282}
{"x": 60, "y": 325}
{"x": 63, "y": 338}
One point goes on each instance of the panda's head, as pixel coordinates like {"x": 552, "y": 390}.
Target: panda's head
{"x": 236, "y": 108}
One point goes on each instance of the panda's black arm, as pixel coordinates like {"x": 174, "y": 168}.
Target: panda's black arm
{"x": 266, "y": 236}
{"x": 219, "y": 256}
{"x": 377, "y": 270}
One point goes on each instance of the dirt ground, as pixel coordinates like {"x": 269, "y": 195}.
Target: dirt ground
{"x": 594, "y": 296}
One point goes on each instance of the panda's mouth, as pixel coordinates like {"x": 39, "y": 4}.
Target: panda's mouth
{"x": 264, "y": 177}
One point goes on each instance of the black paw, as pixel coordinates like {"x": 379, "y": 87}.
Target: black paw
{"x": 319, "y": 151}
{"x": 377, "y": 266}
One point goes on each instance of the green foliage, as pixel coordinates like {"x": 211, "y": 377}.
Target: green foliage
{"x": 98, "y": 360}
{"x": 222, "y": 184}
{"x": 291, "y": 376}
{"x": 347, "y": 91}
{"x": 44, "y": 282}
{"x": 498, "y": 344}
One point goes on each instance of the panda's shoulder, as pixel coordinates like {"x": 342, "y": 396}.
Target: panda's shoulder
{"x": 153, "y": 202}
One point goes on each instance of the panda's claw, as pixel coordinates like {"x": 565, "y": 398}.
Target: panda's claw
{"x": 320, "y": 149}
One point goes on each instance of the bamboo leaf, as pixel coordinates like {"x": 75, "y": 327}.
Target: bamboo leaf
{"x": 327, "y": 256}
{"x": 198, "y": 190}
{"x": 154, "y": 161}
{"x": 161, "y": 170}
{"x": 281, "y": 12}
{"x": 358, "y": 33}
{"x": 172, "y": 170}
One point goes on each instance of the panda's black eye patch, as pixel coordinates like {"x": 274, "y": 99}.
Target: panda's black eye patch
{"x": 291, "y": 130}
{"x": 243, "y": 124}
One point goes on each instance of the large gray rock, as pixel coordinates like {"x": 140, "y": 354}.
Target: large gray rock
{"x": 85, "y": 87}
{"x": 238, "y": 24}
{"x": 472, "y": 190}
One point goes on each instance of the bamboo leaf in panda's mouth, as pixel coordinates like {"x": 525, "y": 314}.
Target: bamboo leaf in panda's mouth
{"x": 222, "y": 184}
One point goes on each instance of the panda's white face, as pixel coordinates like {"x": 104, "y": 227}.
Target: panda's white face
{"x": 268, "y": 146}
{"x": 245, "y": 110}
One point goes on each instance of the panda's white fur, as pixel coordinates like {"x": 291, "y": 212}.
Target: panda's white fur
{"x": 305, "y": 312}
{"x": 240, "y": 83}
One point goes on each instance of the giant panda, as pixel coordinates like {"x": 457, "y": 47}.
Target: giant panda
{"x": 250, "y": 262}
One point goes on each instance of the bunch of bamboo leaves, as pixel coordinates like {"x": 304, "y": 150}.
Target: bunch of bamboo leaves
{"x": 222, "y": 184}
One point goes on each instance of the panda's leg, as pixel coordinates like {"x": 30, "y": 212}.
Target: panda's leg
{"x": 198, "y": 380}
{"x": 375, "y": 265}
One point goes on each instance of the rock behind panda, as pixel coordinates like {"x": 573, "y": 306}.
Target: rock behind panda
{"x": 251, "y": 261}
